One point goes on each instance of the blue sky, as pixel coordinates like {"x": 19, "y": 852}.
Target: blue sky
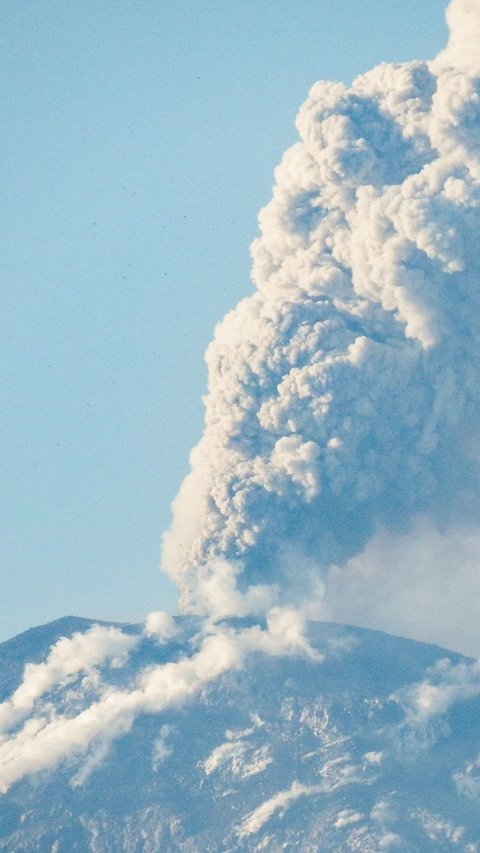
{"x": 139, "y": 141}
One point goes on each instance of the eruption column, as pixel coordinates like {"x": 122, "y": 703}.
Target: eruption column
{"x": 341, "y": 392}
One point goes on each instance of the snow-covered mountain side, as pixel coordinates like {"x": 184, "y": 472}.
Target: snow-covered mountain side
{"x": 370, "y": 744}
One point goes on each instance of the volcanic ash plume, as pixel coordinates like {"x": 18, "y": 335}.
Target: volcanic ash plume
{"x": 344, "y": 392}
{"x": 340, "y": 460}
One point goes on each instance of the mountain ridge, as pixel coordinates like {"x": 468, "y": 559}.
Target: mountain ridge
{"x": 285, "y": 753}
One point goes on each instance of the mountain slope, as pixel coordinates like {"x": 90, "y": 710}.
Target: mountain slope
{"x": 373, "y": 748}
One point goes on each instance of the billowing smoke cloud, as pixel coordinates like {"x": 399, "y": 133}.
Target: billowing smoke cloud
{"x": 464, "y": 23}
{"x": 344, "y": 393}
{"x": 339, "y": 462}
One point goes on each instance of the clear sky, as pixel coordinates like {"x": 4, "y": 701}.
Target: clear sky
{"x": 139, "y": 141}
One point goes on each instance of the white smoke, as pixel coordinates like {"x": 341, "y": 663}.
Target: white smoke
{"x": 52, "y": 733}
{"x": 422, "y": 582}
{"x": 445, "y": 685}
{"x": 68, "y": 658}
{"x": 161, "y": 626}
{"x": 463, "y": 17}
{"x": 344, "y": 393}
{"x": 340, "y": 441}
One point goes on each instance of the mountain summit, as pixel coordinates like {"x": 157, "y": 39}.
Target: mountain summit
{"x": 337, "y": 479}
{"x": 369, "y": 744}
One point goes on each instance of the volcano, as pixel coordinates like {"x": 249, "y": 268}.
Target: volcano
{"x": 362, "y": 749}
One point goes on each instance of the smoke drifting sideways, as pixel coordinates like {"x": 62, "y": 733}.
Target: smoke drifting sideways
{"x": 338, "y": 474}
{"x": 68, "y": 708}
{"x": 343, "y": 400}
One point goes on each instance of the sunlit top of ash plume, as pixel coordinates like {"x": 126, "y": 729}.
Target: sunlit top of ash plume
{"x": 463, "y": 49}
{"x": 342, "y": 393}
